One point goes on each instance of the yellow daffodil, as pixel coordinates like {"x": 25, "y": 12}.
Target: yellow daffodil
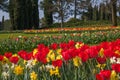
{"x": 101, "y": 66}
{"x": 113, "y": 76}
{"x": 18, "y": 70}
{"x": 34, "y": 62}
{"x": 59, "y": 51}
{"x": 77, "y": 62}
{"x": 59, "y": 57}
{"x": 101, "y": 52}
{"x": 5, "y": 60}
{"x": 54, "y": 71}
{"x": 50, "y": 56}
{"x": 35, "y": 51}
{"x": 33, "y": 76}
{"x": 14, "y": 55}
{"x": 25, "y": 62}
{"x": 78, "y": 45}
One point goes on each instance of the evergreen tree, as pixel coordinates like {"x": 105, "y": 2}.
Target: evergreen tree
{"x": 3, "y": 20}
{"x": 24, "y": 14}
{"x": 48, "y": 12}
{"x": 28, "y": 14}
{"x": 18, "y": 15}
{"x": 11, "y": 13}
{"x": 35, "y": 14}
{"x": 4, "y": 5}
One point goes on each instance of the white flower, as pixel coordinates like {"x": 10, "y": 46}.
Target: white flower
{"x": 30, "y": 64}
{"x": 13, "y": 66}
{"x": 113, "y": 60}
{"x": 65, "y": 34}
{"x": 118, "y": 60}
{"x": 48, "y": 67}
{"x": 6, "y": 67}
{"x": 20, "y": 36}
{"x": 5, "y": 75}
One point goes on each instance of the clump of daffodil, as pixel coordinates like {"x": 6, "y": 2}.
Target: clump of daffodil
{"x": 78, "y": 45}
{"x": 51, "y": 56}
{"x": 101, "y": 52}
{"x": 18, "y": 70}
{"x": 5, "y": 60}
{"x": 59, "y": 51}
{"x": 113, "y": 75}
{"x": 59, "y": 56}
{"x": 54, "y": 55}
{"x": 101, "y": 66}
{"x": 33, "y": 76}
{"x": 14, "y": 55}
{"x": 35, "y": 51}
{"x": 55, "y": 72}
{"x": 77, "y": 61}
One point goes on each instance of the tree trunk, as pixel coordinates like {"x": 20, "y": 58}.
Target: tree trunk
{"x": 2, "y": 23}
{"x": 114, "y": 13}
{"x": 62, "y": 18}
{"x": 75, "y": 10}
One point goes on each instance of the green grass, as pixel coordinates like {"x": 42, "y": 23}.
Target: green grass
{"x": 15, "y": 35}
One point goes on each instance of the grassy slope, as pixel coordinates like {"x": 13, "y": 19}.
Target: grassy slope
{"x": 15, "y": 35}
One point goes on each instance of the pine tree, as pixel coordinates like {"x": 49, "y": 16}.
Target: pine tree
{"x": 48, "y": 12}
{"x": 35, "y": 14}
{"x": 11, "y": 12}
{"x": 3, "y": 20}
{"x": 17, "y": 15}
{"x": 28, "y": 14}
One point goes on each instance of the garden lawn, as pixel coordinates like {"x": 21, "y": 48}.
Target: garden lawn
{"x": 15, "y": 35}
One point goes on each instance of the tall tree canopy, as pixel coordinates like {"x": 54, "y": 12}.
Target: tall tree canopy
{"x": 24, "y": 14}
{"x": 4, "y": 5}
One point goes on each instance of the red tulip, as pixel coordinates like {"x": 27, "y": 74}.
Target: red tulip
{"x": 104, "y": 75}
{"x": 1, "y": 57}
{"x": 14, "y": 59}
{"x": 63, "y": 45}
{"x": 22, "y": 54}
{"x": 41, "y": 55}
{"x": 54, "y": 46}
{"x": 101, "y": 60}
{"x": 8, "y": 54}
{"x": 71, "y": 44}
{"x": 104, "y": 45}
{"x": 66, "y": 55}
{"x": 116, "y": 67}
{"x": 99, "y": 77}
{"x": 41, "y": 58}
{"x": 92, "y": 52}
{"x": 108, "y": 53}
{"x": 57, "y": 63}
{"x": 84, "y": 56}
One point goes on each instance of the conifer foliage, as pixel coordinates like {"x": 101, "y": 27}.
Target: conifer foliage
{"x": 24, "y": 14}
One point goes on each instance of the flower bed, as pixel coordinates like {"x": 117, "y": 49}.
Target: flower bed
{"x": 78, "y": 29}
{"x": 29, "y": 43}
{"x": 63, "y": 61}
